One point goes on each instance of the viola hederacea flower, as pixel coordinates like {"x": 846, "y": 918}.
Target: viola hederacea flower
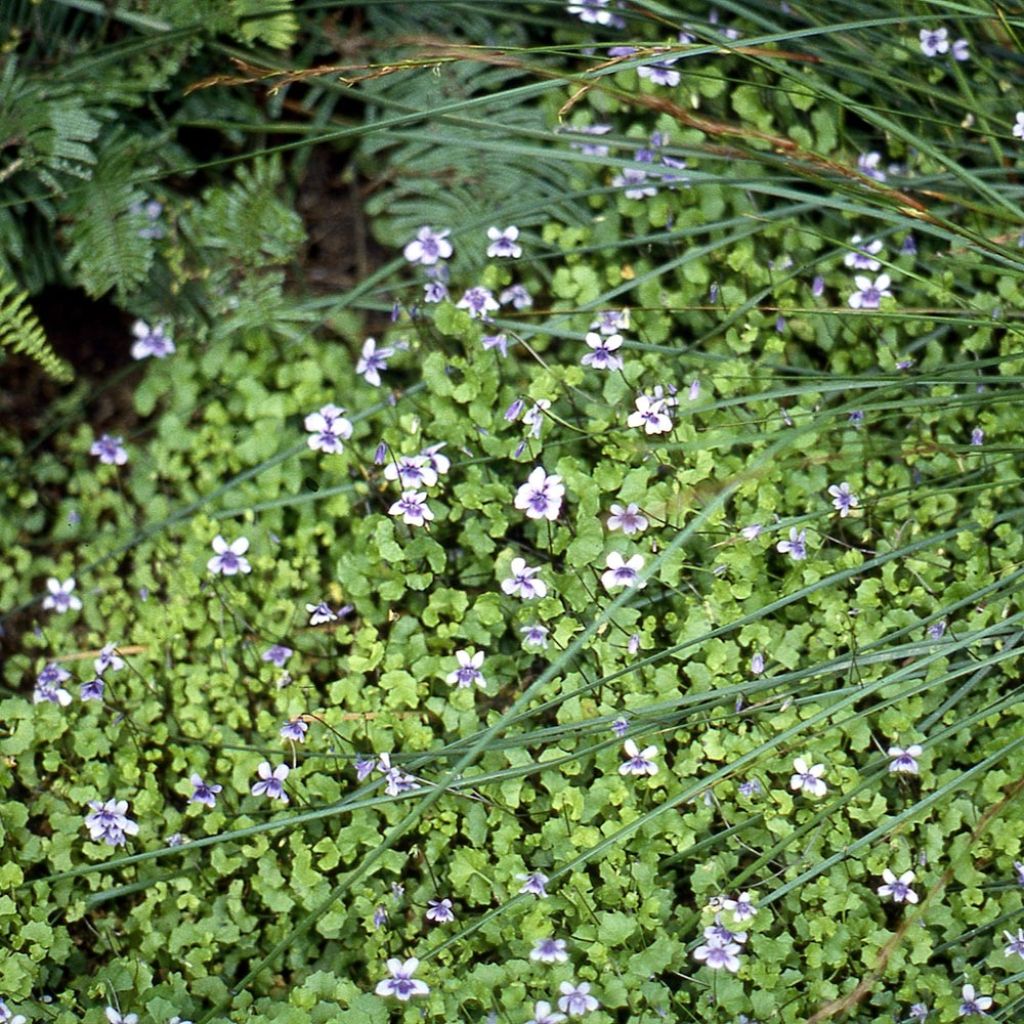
{"x": 534, "y": 416}
{"x": 150, "y": 341}
{"x": 92, "y": 690}
{"x": 328, "y": 429}
{"x": 435, "y": 291}
{"x": 719, "y": 954}
{"x": 977, "y": 437}
{"x": 904, "y": 761}
{"x": 271, "y": 782}
{"x": 590, "y": 148}
{"x": 541, "y": 496}
{"x": 495, "y": 341}
{"x": 751, "y": 532}
{"x": 478, "y": 302}
{"x": 593, "y": 12}
{"x": 757, "y": 664}
{"x": 397, "y": 782}
{"x": 867, "y": 164}
{"x": 629, "y": 519}
{"x": 428, "y": 247}
{"x": 468, "y": 673}
{"x": 435, "y": 460}
{"x": 535, "y": 635}
{"x": 364, "y": 766}
{"x": 380, "y": 454}
{"x": 513, "y": 412}
{"x": 844, "y": 501}
{"x": 622, "y": 572}
{"x": 440, "y": 911}
{"x": 60, "y": 597}
{"x": 543, "y": 1014}
{"x": 918, "y": 1011}
{"x": 52, "y": 675}
{"x": 504, "y": 244}
{"x": 534, "y": 884}
{"x": 742, "y": 908}
{"x": 48, "y": 687}
{"x": 320, "y": 613}
{"x": 402, "y": 985}
{"x": 203, "y": 792}
{"x": 660, "y": 73}
{"x": 973, "y": 1005}
{"x": 108, "y": 660}
{"x": 818, "y": 286}
{"x": 373, "y": 361}
{"x": 277, "y": 654}
{"x": 869, "y": 293}
{"x": 114, "y": 1016}
{"x": 576, "y": 1000}
{"x": 937, "y": 630}
{"x": 961, "y": 50}
{"x": 651, "y": 415}
{"x": 380, "y": 916}
{"x": 750, "y": 788}
{"x": 603, "y": 355}
{"x": 228, "y": 559}
{"x": 176, "y": 839}
{"x": 795, "y": 547}
{"x": 1016, "y": 943}
{"x": 109, "y": 450}
{"x": 620, "y": 727}
{"x": 517, "y": 296}
{"x": 8, "y": 1017}
{"x": 552, "y": 951}
{"x": 611, "y": 321}
{"x": 898, "y": 889}
{"x": 862, "y": 256}
{"x": 1018, "y": 867}
{"x": 413, "y": 509}
{"x": 1018, "y": 128}
{"x": 720, "y": 932}
{"x": 808, "y": 778}
{"x": 633, "y": 182}
{"x": 411, "y": 471}
{"x": 522, "y": 582}
{"x": 638, "y": 762}
{"x": 633, "y": 644}
{"x": 295, "y": 730}
{"x": 109, "y": 822}
{"x": 934, "y": 41}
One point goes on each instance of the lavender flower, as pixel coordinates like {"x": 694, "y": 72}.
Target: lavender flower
{"x": 552, "y": 951}
{"x": 750, "y": 788}
{"x": 320, "y": 613}
{"x": 498, "y": 341}
{"x": 327, "y": 429}
{"x": 795, "y": 547}
{"x": 109, "y": 822}
{"x": 1018, "y": 128}
{"x": 534, "y": 416}
{"x": 534, "y": 884}
{"x": 1018, "y": 867}
{"x": 818, "y": 286}
{"x": 380, "y": 916}
{"x": 660, "y": 73}
{"x": 843, "y": 499}
{"x": 295, "y": 730}
{"x": 973, "y": 1005}
{"x": 918, "y": 1011}
{"x": 633, "y": 182}
{"x": 535, "y": 635}
{"x": 203, "y": 792}
{"x": 440, "y": 911}
{"x": 593, "y": 12}
{"x": 898, "y": 889}
{"x": 633, "y": 644}
{"x": 934, "y": 41}
{"x": 809, "y": 779}
{"x": 718, "y": 954}
{"x": 576, "y": 999}
{"x": 411, "y": 471}
{"x": 428, "y": 247}
{"x": 397, "y": 781}
{"x": 277, "y": 654}
{"x": 751, "y": 532}
{"x": 869, "y": 293}
{"x": 91, "y": 690}
{"x": 107, "y": 660}
{"x": 413, "y": 508}
{"x": 590, "y": 148}
{"x": 742, "y": 908}
{"x": 271, "y": 782}
{"x": 856, "y": 418}
{"x": 109, "y": 450}
{"x": 757, "y": 664}
{"x": 364, "y": 766}
{"x": 150, "y": 341}
{"x": 468, "y": 673}
{"x": 114, "y": 1016}
{"x": 60, "y": 598}
{"x": 977, "y": 437}
{"x": 867, "y": 164}
{"x": 435, "y": 291}
{"x": 48, "y": 687}
{"x": 542, "y": 1012}
{"x": 603, "y": 355}
{"x": 522, "y": 583}
{"x": 7, "y": 1017}
{"x": 904, "y": 761}
{"x": 629, "y": 519}
{"x": 504, "y": 244}
{"x": 541, "y": 496}
{"x": 620, "y": 727}
{"x": 517, "y": 295}
{"x": 228, "y": 559}
{"x": 373, "y": 361}
{"x": 862, "y": 257}
{"x": 1016, "y": 943}
{"x": 611, "y": 321}
{"x": 402, "y": 985}
{"x": 937, "y": 630}
{"x": 961, "y": 50}
{"x": 478, "y": 302}
{"x": 651, "y": 415}
{"x": 621, "y": 572}
{"x": 435, "y": 460}
{"x": 638, "y": 762}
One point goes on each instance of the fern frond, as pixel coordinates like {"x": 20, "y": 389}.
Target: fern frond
{"x": 21, "y": 331}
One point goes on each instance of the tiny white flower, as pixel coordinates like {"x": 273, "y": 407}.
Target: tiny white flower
{"x": 228, "y": 559}
{"x": 809, "y": 779}
{"x": 60, "y": 598}
{"x": 638, "y": 762}
{"x": 402, "y": 985}
{"x": 622, "y": 572}
{"x": 898, "y": 889}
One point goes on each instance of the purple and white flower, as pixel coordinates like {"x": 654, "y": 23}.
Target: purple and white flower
{"x": 412, "y": 507}
{"x": 91, "y": 690}
{"x": 862, "y": 257}
{"x": 742, "y": 908}
{"x": 651, "y": 415}
{"x": 294, "y": 730}
{"x": 114, "y": 1016}
{"x": 8, "y": 1017}
{"x": 534, "y": 416}
{"x": 717, "y": 954}
{"x": 373, "y": 361}
{"x": 973, "y": 1005}
{"x": 535, "y": 635}
{"x": 320, "y": 613}
{"x": 904, "y": 761}
{"x": 478, "y": 302}
{"x": 629, "y": 519}
{"x": 109, "y": 822}
{"x": 593, "y": 12}
{"x": 1018, "y": 128}
{"x": 534, "y": 884}
{"x": 397, "y": 781}
{"x": 576, "y": 1000}
{"x": 843, "y": 499}
{"x": 435, "y": 460}
{"x": 603, "y": 355}
{"x": 660, "y": 73}
{"x": 1016, "y": 943}
{"x": 633, "y": 182}
{"x": 108, "y": 660}
{"x": 867, "y": 164}
{"x": 517, "y": 295}
{"x": 203, "y": 792}
{"x": 869, "y": 293}
{"x": 327, "y": 429}
{"x": 808, "y": 778}
{"x": 542, "y": 1012}
{"x": 411, "y": 471}
{"x": 271, "y": 782}
{"x": 498, "y": 341}
{"x": 440, "y": 911}
{"x": 795, "y": 547}
{"x": 402, "y": 985}
{"x": 553, "y": 951}
{"x": 60, "y": 597}
{"x": 228, "y": 559}
{"x": 751, "y": 532}
{"x": 541, "y": 496}
{"x": 504, "y": 244}
{"x": 622, "y": 572}
{"x": 277, "y": 654}
{"x": 109, "y": 450}
{"x": 898, "y": 888}
{"x": 638, "y": 762}
{"x": 468, "y": 673}
{"x": 428, "y": 247}
{"x": 961, "y": 50}
{"x": 522, "y": 582}
{"x": 934, "y": 41}
{"x": 150, "y": 341}
{"x": 48, "y": 688}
